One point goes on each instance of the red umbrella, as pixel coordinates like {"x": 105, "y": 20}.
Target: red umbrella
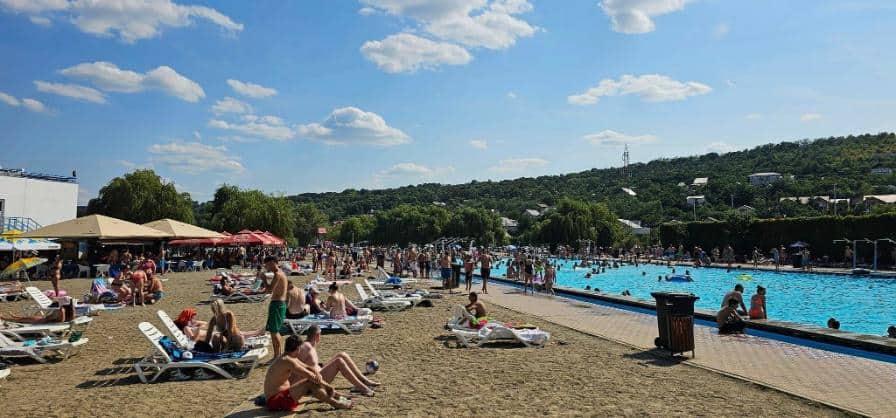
{"x": 244, "y": 238}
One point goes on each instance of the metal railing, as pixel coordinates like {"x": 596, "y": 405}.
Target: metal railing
{"x": 19, "y": 223}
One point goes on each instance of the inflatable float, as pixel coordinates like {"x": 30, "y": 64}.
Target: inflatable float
{"x": 745, "y": 277}
{"x": 679, "y": 278}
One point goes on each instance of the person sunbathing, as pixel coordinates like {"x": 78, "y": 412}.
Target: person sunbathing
{"x": 341, "y": 363}
{"x": 288, "y": 380}
{"x": 338, "y": 305}
{"x": 315, "y": 306}
{"x": 122, "y": 292}
{"x": 476, "y": 307}
{"x": 222, "y": 333}
{"x": 187, "y": 323}
{"x": 296, "y": 308}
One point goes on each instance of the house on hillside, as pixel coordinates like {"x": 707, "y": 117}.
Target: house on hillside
{"x": 762, "y": 179}
{"x": 629, "y": 192}
{"x": 542, "y": 208}
{"x": 820, "y": 202}
{"x": 700, "y": 181}
{"x": 510, "y": 225}
{"x": 635, "y": 227}
{"x": 439, "y": 204}
{"x": 531, "y": 212}
{"x": 879, "y": 199}
{"x": 745, "y": 210}
{"x": 696, "y": 200}
{"x": 882, "y": 171}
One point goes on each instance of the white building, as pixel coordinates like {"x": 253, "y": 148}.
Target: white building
{"x": 635, "y": 226}
{"x": 884, "y": 171}
{"x": 745, "y": 210}
{"x": 43, "y": 199}
{"x": 700, "y": 181}
{"x": 761, "y": 179}
{"x": 696, "y": 200}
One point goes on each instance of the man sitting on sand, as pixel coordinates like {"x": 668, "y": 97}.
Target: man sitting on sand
{"x": 728, "y": 319}
{"x": 337, "y": 303}
{"x": 476, "y": 307}
{"x": 340, "y": 364}
{"x": 288, "y": 380}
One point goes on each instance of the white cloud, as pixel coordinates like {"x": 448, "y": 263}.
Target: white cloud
{"x": 366, "y": 11}
{"x": 252, "y": 90}
{"x": 753, "y": 116}
{"x": 730, "y": 83}
{"x": 41, "y": 20}
{"x": 636, "y": 16}
{"x": 34, "y": 105}
{"x": 409, "y": 172}
{"x": 407, "y": 53}
{"x": 129, "y": 20}
{"x": 720, "y": 147}
{"x": 511, "y": 95}
{"x": 516, "y": 165}
{"x": 409, "y": 169}
{"x": 195, "y": 158}
{"x": 350, "y": 125}
{"x": 649, "y": 87}
{"x": 613, "y": 138}
{"x": 231, "y": 105}
{"x": 809, "y": 117}
{"x": 720, "y": 31}
{"x": 479, "y": 143}
{"x": 264, "y": 127}
{"x": 490, "y": 24}
{"x": 108, "y": 77}
{"x": 27, "y": 103}
{"x": 73, "y": 91}
{"x": 8, "y": 99}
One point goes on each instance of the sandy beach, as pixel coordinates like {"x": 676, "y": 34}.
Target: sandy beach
{"x": 422, "y": 370}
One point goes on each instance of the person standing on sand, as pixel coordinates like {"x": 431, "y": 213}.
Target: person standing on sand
{"x": 277, "y": 307}
{"x": 550, "y": 275}
{"x": 56, "y": 275}
{"x": 485, "y": 269}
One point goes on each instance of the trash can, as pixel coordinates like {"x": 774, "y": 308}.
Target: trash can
{"x": 675, "y": 321}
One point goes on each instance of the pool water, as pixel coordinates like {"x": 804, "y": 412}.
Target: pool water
{"x": 862, "y": 304}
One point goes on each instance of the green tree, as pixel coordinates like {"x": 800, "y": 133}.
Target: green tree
{"x": 354, "y": 229}
{"x": 482, "y": 225}
{"x": 307, "y": 219}
{"x": 253, "y": 210}
{"x": 142, "y": 197}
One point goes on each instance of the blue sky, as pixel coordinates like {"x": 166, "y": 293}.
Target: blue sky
{"x": 308, "y": 96}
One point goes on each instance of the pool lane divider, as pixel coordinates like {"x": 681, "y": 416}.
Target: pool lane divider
{"x": 860, "y": 345}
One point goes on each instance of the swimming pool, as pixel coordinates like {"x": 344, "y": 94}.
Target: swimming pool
{"x": 862, "y": 304}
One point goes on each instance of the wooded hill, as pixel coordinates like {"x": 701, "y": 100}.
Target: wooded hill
{"x": 838, "y": 167}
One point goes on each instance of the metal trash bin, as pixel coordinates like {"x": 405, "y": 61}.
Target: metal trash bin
{"x": 675, "y": 321}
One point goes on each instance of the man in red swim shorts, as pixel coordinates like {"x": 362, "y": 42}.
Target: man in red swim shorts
{"x": 288, "y": 380}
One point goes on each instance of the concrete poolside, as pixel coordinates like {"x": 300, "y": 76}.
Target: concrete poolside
{"x": 855, "y": 384}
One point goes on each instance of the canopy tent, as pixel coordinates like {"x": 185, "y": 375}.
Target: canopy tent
{"x": 182, "y": 230}
{"x": 196, "y": 242}
{"x": 245, "y": 237}
{"x": 274, "y": 239}
{"x": 11, "y": 241}
{"x": 96, "y": 227}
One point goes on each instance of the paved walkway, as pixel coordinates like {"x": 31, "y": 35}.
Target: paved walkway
{"x": 853, "y": 383}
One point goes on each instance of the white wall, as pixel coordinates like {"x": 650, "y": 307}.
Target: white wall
{"x": 47, "y": 202}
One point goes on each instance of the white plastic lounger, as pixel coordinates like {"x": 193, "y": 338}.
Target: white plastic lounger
{"x": 181, "y": 339}
{"x": 380, "y": 303}
{"x": 150, "y": 368}
{"x": 41, "y": 300}
{"x": 4, "y": 372}
{"x": 38, "y": 352}
{"x": 495, "y": 333}
{"x": 21, "y": 332}
{"x": 351, "y": 324}
{"x": 385, "y": 281}
{"x": 413, "y": 298}
{"x": 461, "y": 320}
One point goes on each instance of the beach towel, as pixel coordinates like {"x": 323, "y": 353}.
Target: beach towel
{"x": 179, "y": 354}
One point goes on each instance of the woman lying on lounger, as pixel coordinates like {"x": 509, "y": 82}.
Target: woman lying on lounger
{"x": 64, "y": 313}
{"x": 187, "y": 323}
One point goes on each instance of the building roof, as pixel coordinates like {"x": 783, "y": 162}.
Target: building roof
{"x": 178, "y": 229}
{"x": 885, "y": 198}
{"x": 542, "y": 205}
{"x": 768, "y": 174}
{"x": 18, "y": 172}
{"x": 509, "y": 223}
{"x": 700, "y": 181}
{"x": 630, "y": 224}
{"x": 629, "y": 192}
{"x": 745, "y": 207}
{"x": 96, "y": 227}
{"x": 532, "y": 212}
{"x": 697, "y": 197}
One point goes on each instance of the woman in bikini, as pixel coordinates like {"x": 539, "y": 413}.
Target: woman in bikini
{"x": 56, "y": 274}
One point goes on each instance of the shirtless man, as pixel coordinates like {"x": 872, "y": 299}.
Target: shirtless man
{"x": 476, "y": 307}
{"x": 288, "y": 380}
{"x": 156, "y": 291}
{"x": 736, "y": 294}
{"x": 485, "y": 269}
{"x": 138, "y": 278}
{"x": 277, "y": 308}
{"x": 295, "y": 302}
{"x": 338, "y": 304}
{"x": 445, "y": 266}
{"x": 728, "y": 320}
{"x": 341, "y": 363}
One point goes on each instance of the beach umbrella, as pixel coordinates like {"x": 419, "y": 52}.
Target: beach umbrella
{"x": 22, "y": 264}
{"x": 182, "y": 230}
{"x": 799, "y": 244}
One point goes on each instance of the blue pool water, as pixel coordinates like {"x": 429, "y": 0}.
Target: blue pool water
{"x": 861, "y": 304}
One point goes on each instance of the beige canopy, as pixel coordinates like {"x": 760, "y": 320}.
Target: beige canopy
{"x": 96, "y": 227}
{"x": 182, "y": 230}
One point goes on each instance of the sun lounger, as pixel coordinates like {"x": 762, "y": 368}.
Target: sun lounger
{"x": 4, "y": 372}
{"x": 150, "y": 368}
{"x": 413, "y": 298}
{"x": 496, "y": 333}
{"x": 181, "y": 339}
{"x": 22, "y": 332}
{"x": 349, "y": 324}
{"x": 239, "y": 297}
{"x": 383, "y": 280}
{"x": 38, "y": 350}
{"x": 43, "y": 302}
{"x": 380, "y": 303}
{"x": 11, "y": 291}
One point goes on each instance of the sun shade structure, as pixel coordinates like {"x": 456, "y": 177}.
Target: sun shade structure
{"x": 96, "y": 227}
{"x": 182, "y": 230}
